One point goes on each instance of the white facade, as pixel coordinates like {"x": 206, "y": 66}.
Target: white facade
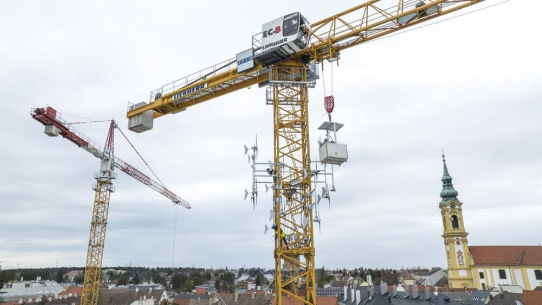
{"x": 490, "y": 276}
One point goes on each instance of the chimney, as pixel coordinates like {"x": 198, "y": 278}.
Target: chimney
{"x": 50, "y": 299}
{"x": 427, "y": 293}
{"x": 22, "y": 280}
{"x": 37, "y": 299}
{"x": 358, "y": 296}
{"x": 38, "y": 279}
{"x": 70, "y": 295}
{"x": 56, "y": 295}
{"x": 137, "y": 289}
{"x": 76, "y": 295}
{"x": 30, "y": 300}
{"x": 371, "y": 292}
{"x": 369, "y": 280}
{"x": 236, "y": 298}
{"x": 353, "y": 295}
{"x": 383, "y": 288}
{"x": 65, "y": 296}
{"x": 21, "y": 300}
{"x": 150, "y": 289}
{"x": 415, "y": 291}
{"x": 394, "y": 290}
{"x": 407, "y": 291}
{"x": 345, "y": 295}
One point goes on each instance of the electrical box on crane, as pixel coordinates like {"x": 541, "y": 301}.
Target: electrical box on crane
{"x": 331, "y": 151}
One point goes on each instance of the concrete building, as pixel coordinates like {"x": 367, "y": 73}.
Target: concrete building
{"x": 482, "y": 267}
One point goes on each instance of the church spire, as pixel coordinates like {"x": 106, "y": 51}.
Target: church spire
{"x": 448, "y": 192}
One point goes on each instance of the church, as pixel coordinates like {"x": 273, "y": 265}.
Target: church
{"x": 482, "y": 267}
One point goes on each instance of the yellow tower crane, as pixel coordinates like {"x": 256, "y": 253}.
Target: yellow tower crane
{"x": 284, "y": 57}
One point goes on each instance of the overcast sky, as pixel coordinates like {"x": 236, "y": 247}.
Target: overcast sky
{"x": 470, "y": 86}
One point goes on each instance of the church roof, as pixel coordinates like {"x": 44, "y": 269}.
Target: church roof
{"x": 507, "y": 255}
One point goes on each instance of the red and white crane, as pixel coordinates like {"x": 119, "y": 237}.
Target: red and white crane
{"x": 55, "y": 125}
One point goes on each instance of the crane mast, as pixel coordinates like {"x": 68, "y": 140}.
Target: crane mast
{"x": 289, "y": 74}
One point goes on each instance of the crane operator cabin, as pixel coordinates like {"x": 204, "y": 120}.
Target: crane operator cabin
{"x": 281, "y": 38}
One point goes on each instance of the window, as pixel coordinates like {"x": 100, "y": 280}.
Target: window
{"x": 290, "y": 25}
{"x": 481, "y": 275}
{"x": 455, "y": 222}
{"x": 538, "y": 274}
{"x": 502, "y": 274}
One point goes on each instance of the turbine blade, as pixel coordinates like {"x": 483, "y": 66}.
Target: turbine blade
{"x": 246, "y": 149}
{"x": 266, "y": 228}
{"x": 246, "y": 194}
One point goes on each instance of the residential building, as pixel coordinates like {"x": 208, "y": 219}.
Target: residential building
{"x": 430, "y": 277}
{"x": 70, "y": 276}
{"x": 30, "y": 289}
{"x": 482, "y": 267}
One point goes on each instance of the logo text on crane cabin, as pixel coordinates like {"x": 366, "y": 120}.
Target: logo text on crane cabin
{"x": 276, "y": 43}
{"x": 189, "y": 91}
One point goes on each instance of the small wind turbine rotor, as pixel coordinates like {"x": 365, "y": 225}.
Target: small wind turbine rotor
{"x": 266, "y": 228}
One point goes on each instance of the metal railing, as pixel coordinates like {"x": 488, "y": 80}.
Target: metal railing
{"x": 211, "y": 71}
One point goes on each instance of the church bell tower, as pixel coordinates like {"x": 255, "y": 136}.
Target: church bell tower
{"x": 455, "y": 236}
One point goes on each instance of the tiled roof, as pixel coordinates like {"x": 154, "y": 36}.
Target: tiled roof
{"x": 507, "y": 255}
{"x": 531, "y": 297}
{"x": 73, "y": 290}
{"x": 244, "y": 299}
{"x": 321, "y": 300}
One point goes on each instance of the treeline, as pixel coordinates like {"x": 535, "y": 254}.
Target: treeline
{"x": 390, "y": 276}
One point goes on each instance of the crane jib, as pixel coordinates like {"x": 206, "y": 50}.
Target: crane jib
{"x": 189, "y": 91}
